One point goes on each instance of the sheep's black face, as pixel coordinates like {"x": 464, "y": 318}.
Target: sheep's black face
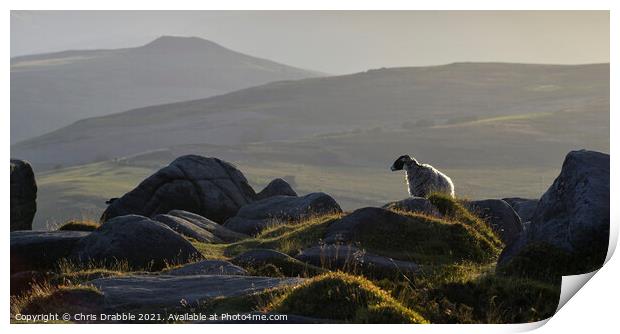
{"x": 399, "y": 164}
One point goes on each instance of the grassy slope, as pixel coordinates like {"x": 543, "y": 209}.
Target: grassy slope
{"x": 80, "y": 192}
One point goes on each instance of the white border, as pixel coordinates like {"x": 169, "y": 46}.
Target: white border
{"x": 593, "y": 308}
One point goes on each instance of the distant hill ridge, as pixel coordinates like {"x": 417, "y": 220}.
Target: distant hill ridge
{"x": 52, "y": 90}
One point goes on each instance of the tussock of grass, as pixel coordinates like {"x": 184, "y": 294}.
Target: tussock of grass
{"x": 495, "y": 299}
{"x": 287, "y": 238}
{"x": 70, "y": 273}
{"x": 454, "y": 273}
{"x": 472, "y": 293}
{"x": 544, "y": 262}
{"x": 86, "y": 275}
{"x": 344, "y": 297}
{"x": 414, "y": 291}
{"x": 454, "y": 210}
{"x": 45, "y": 299}
{"x": 548, "y": 263}
{"x": 259, "y": 302}
{"x": 427, "y": 240}
{"x": 83, "y": 225}
{"x": 211, "y": 251}
{"x": 66, "y": 266}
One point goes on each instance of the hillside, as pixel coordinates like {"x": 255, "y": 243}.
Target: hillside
{"x": 486, "y": 158}
{"x": 49, "y": 91}
{"x": 380, "y": 100}
{"x": 340, "y": 134}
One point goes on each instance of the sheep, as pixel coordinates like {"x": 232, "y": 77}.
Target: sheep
{"x": 423, "y": 179}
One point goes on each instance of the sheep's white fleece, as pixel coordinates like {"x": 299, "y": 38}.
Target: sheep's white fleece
{"x": 423, "y": 179}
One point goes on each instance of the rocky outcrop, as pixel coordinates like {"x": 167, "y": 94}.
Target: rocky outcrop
{"x": 500, "y": 216}
{"x": 143, "y": 243}
{"x": 273, "y": 263}
{"x": 206, "y": 267}
{"x": 254, "y": 217}
{"x": 414, "y": 204}
{"x": 524, "y": 207}
{"x": 156, "y": 292}
{"x": 42, "y": 250}
{"x": 277, "y": 187}
{"x": 217, "y": 230}
{"x": 573, "y": 214}
{"x": 258, "y": 257}
{"x": 197, "y": 227}
{"x": 187, "y": 229}
{"x": 23, "y": 195}
{"x": 352, "y": 259}
{"x": 209, "y": 187}
{"x": 346, "y": 229}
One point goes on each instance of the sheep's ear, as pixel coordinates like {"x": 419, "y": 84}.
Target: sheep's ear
{"x": 413, "y": 161}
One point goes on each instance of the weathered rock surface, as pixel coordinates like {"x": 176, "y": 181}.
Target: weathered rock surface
{"x": 254, "y": 217}
{"x": 166, "y": 291}
{"x": 573, "y": 214}
{"x": 142, "y": 242}
{"x": 207, "y": 267}
{"x": 500, "y": 216}
{"x": 256, "y": 257}
{"x": 273, "y": 262}
{"x": 524, "y": 207}
{"x": 214, "y": 228}
{"x": 23, "y": 195}
{"x": 353, "y": 259}
{"x": 414, "y": 204}
{"x": 344, "y": 230}
{"x": 40, "y": 250}
{"x": 277, "y": 187}
{"x": 187, "y": 229}
{"x": 209, "y": 187}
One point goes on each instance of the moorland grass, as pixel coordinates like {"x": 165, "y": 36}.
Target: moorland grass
{"x": 496, "y": 299}
{"x": 473, "y": 293}
{"x": 452, "y": 209}
{"x": 427, "y": 240}
{"x": 547, "y": 263}
{"x": 71, "y": 273}
{"x": 344, "y": 297}
{"x": 46, "y": 299}
{"x": 460, "y": 236}
{"x": 286, "y": 238}
{"x": 82, "y": 225}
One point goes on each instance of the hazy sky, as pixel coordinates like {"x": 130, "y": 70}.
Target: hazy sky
{"x": 334, "y": 42}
